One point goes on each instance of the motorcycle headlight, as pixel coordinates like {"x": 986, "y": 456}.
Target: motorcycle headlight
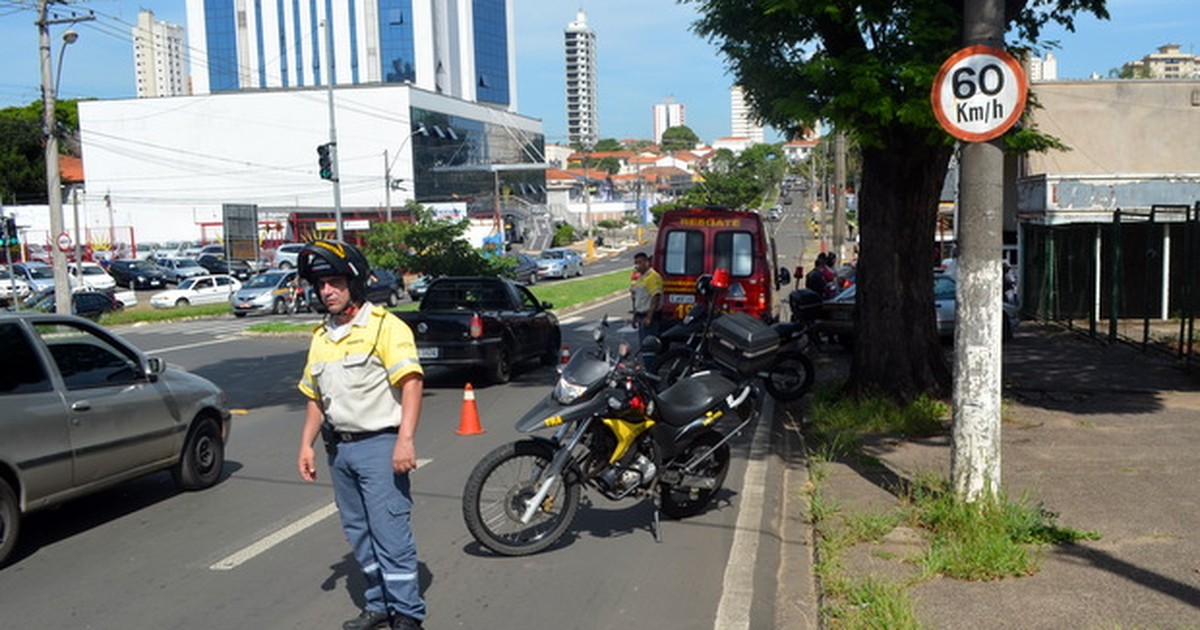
{"x": 566, "y": 392}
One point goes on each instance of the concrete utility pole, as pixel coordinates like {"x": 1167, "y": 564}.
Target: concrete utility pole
{"x": 839, "y": 200}
{"x": 337, "y": 171}
{"x": 975, "y": 458}
{"x": 62, "y": 286}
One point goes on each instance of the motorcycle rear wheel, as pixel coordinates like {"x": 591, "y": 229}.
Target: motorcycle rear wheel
{"x": 497, "y": 492}
{"x": 790, "y": 376}
{"x": 681, "y": 502}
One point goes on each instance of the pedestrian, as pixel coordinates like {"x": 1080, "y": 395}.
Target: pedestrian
{"x": 645, "y": 289}
{"x": 815, "y": 280}
{"x": 364, "y": 385}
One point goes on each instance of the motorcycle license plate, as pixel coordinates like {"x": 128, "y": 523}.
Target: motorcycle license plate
{"x": 427, "y": 353}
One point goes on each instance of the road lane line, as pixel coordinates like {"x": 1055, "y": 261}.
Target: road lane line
{"x": 737, "y": 594}
{"x": 188, "y": 346}
{"x": 264, "y": 544}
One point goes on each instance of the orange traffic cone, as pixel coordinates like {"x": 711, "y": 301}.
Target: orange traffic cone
{"x": 468, "y": 423}
{"x": 565, "y": 355}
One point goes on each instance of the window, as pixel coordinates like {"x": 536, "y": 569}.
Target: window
{"x": 734, "y": 251}
{"x": 685, "y": 253}
{"x": 21, "y": 371}
{"x": 86, "y": 359}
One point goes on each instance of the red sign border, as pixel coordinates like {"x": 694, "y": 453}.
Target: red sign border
{"x": 936, "y": 98}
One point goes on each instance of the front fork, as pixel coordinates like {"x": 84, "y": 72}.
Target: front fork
{"x": 558, "y": 463}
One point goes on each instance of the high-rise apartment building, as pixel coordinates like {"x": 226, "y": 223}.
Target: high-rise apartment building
{"x": 582, "y": 117}
{"x": 460, "y": 48}
{"x": 159, "y": 58}
{"x": 1042, "y": 69}
{"x": 667, "y": 115}
{"x": 743, "y": 122}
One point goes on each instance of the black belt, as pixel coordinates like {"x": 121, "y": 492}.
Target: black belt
{"x": 334, "y": 436}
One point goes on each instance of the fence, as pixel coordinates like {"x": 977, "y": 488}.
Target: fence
{"x": 1132, "y": 279}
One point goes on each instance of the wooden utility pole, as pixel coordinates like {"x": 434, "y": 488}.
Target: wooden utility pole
{"x": 975, "y": 460}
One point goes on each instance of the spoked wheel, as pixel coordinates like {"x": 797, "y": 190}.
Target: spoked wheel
{"x": 499, "y": 491}
{"x": 683, "y": 501}
{"x": 790, "y": 376}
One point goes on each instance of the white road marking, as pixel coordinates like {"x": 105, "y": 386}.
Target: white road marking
{"x": 188, "y": 346}
{"x": 733, "y": 611}
{"x": 262, "y": 545}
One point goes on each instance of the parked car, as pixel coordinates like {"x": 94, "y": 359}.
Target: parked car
{"x": 198, "y": 290}
{"x": 180, "y": 269}
{"x": 12, "y": 287}
{"x": 525, "y": 269}
{"x": 137, "y": 274}
{"x": 268, "y": 292}
{"x": 83, "y": 410}
{"x": 416, "y": 288}
{"x": 383, "y": 287}
{"x": 37, "y": 275}
{"x": 560, "y": 262}
{"x": 84, "y": 303}
{"x": 92, "y": 275}
{"x": 214, "y": 263}
{"x": 837, "y": 313}
{"x": 286, "y": 255}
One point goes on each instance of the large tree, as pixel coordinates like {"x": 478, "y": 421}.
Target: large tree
{"x": 679, "y": 138}
{"x": 740, "y": 180}
{"x": 867, "y": 68}
{"x": 23, "y": 153}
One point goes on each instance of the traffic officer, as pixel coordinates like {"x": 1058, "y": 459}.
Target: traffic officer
{"x": 364, "y": 386}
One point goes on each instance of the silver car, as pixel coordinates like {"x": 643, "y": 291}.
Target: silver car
{"x": 81, "y": 410}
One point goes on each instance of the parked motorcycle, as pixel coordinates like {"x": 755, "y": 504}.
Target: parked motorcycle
{"x": 787, "y": 376}
{"x": 615, "y": 435}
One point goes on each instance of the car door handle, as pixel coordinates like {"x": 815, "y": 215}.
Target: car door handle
{"x": 81, "y": 405}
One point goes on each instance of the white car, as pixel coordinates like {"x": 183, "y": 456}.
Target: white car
{"x": 10, "y": 285}
{"x": 560, "y": 262}
{"x": 93, "y": 276}
{"x": 214, "y": 289}
{"x": 286, "y": 255}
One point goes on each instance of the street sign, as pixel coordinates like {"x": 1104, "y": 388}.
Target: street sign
{"x": 64, "y": 242}
{"x": 979, "y": 93}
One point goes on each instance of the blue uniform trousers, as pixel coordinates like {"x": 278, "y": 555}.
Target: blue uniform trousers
{"x": 375, "y": 505}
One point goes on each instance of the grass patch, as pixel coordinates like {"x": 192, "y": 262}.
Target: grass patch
{"x": 986, "y": 539}
{"x": 281, "y": 328}
{"x": 872, "y": 603}
{"x": 566, "y": 294}
{"x": 839, "y": 422}
{"x": 150, "y": 314}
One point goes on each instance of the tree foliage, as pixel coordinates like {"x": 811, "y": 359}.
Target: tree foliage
{"x": 23, "y": 153}
{"x": 608, "y": 144}
{"x": 429, "y": 246}
{"x": 867, "y": 68}
{"x": 745, "y": 180}
{"x": 679, "y": 138}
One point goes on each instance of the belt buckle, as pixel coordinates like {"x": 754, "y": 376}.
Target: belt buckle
{"x": 345, "y": 436}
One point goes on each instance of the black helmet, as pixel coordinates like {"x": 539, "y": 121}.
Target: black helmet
{"x": 321, "y": 259}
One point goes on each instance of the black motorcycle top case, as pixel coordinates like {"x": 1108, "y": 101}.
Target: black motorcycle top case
{"x": 743, "y": 343}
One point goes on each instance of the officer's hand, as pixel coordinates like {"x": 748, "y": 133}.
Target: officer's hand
{"x": 404, "y": 455}
{"x": 307, "y": 463}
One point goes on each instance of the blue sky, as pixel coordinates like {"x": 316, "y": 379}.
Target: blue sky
{"x": 646, "y": 54}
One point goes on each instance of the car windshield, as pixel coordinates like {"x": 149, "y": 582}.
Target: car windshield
{"x": 550, "y": 255}
{"x": 264, "y": 280}
{"x": 187, "y": 262}
{"x": 93, "y": 271}
{"x": 142, "y": 265}
{"x": 187, "y": 284}
{"x": 40, "y": 273}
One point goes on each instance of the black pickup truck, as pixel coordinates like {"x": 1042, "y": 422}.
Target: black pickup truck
{"x": 481, "y": 322}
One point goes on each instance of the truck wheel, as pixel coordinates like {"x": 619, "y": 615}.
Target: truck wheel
{"x": 502, "y": 370}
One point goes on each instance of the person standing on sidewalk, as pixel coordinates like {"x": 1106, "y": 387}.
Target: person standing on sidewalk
{"x": 364, "y": 385}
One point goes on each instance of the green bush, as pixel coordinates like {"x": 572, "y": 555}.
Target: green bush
{"x": 563, "y": 235}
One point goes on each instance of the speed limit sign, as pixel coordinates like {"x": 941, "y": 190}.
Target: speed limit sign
{"x": 979, "y": 93}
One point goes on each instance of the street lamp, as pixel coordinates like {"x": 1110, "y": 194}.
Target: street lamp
{"x": 62, "y": 289}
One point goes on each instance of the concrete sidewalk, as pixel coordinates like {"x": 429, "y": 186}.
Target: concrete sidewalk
{"x": 1103, "y": 436}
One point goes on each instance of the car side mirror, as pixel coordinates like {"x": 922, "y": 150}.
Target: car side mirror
{"x": 155, "y": 366}
{"x": 546, "y": 306}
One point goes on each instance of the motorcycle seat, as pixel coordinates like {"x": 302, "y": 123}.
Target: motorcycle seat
{"x": 688, "y": 399}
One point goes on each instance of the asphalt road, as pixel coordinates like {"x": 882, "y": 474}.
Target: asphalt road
{"x": 263, "y": 549}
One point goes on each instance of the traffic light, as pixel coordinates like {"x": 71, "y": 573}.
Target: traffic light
{"x": 325, "y": 160}
{"x": 9, "y": 235}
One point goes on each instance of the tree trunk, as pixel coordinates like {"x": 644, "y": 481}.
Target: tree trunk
{"x": 897, "y": 352}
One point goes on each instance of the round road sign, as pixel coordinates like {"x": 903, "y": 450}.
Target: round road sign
{"x": 64, "y": 242}
{"x": 979, "y": 93}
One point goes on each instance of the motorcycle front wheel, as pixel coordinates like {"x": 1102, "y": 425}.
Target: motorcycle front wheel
{"x": 499, "y": 490}
{"x": 680, "y": 501}
{"x": 790, "y": 376}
